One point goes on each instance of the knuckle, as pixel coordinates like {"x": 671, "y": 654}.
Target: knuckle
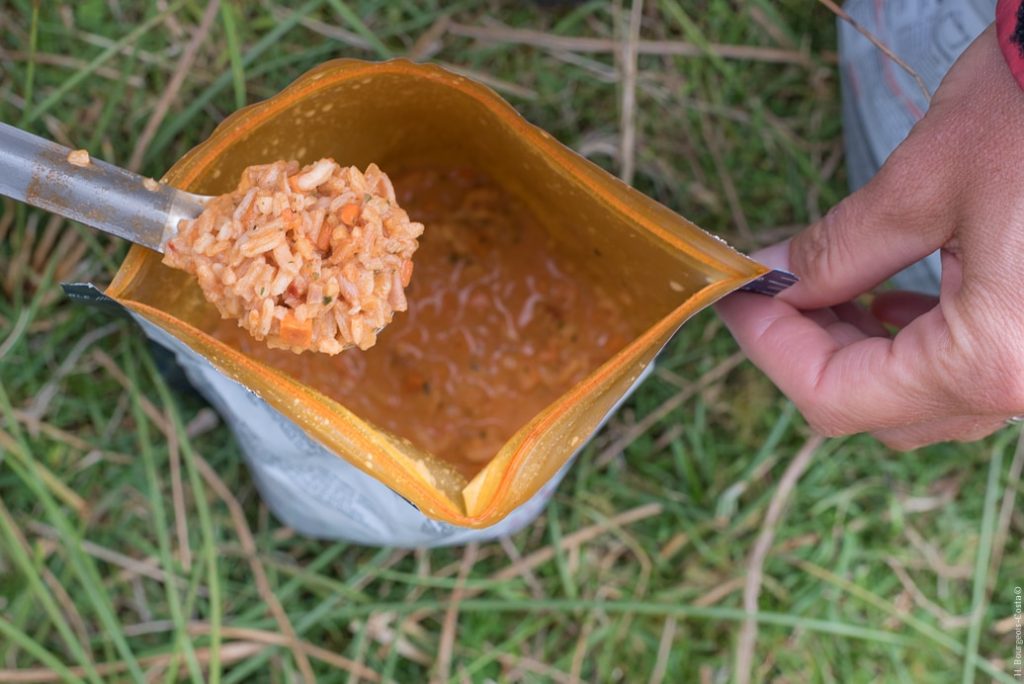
{"x": 818, "y": 252}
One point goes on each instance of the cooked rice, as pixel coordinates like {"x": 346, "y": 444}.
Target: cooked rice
{"x": 315, "y": 258}
{"x": 79, "y": 158}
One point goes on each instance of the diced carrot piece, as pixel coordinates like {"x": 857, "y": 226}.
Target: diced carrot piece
{"x": 323, "y": 238}
{"x": 406, "y": 272}
{"x": 349, "y": 213}
{"x": 296, "y": 333}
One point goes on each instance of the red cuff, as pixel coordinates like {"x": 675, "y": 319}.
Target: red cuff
{"x": 1006, "y": 28}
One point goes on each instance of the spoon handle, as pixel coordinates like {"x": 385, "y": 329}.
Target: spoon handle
{"x": 37, "y": 171}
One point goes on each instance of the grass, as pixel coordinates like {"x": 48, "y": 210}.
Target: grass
{"x": 128, "y": 521}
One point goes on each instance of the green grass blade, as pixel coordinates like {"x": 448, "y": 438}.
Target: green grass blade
{"x": 863, "y": 594}
{"x": 839, "y": 629}
{"x": 168, "y": 132}
{"x": 58, "y": 94}
{"x": 227, "y": 14}
{"x": 30, "y": 68}
{"x": 348, "y": 15}
{"x": 42, "y": 594}
{"x": 84, "y": 569}
{"x": 561, "y": 562}
{"x": 209, "y": 537}
{"x": 38, "y": 652}
{"x": 314, "y": 616}
{"x": 978, "y": 598}
{"x": 160, "y": 529}
{"x": 82, "y": 565}
{"x": 519, "y": 635}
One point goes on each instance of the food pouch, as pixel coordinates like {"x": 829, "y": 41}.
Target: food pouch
{"x": 543, "y": 289}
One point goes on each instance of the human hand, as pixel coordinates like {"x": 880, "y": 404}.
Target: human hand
{"x": 955, "y": 368}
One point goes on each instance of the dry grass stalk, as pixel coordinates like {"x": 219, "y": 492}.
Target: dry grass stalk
{"x": 673, "y": 546}
{"x": 231, "y": 652}
{"x": 21, "y": 255}
{"x": 755, "y": 564}
{"x": 56, "y": 486}
{"x": 39, "y": 407}
{"x": 933, "y": 557}
{"x": 178, "y": 499}
{"x": 532, "y": 666}
{"x": 274, "y": 639}
{"x": 69, "y": 252}
{"x": 181, "y": 70}
{"x": 72, "y": 63}
{"x": 498, "y": 84}
{"x": 761, "y": 18}
{"x": 237, "y": 517}
{"x": 430, "y": 42}
{"x": 6, "y": 217}
{"x": 946, "y": 620}
{"x": 255, "y": 565}
{"x": 43, "y": 246}
{"x": 668, "y": 635}
{"x": 627, "y": 114}
{"x": 718, "y": 593}
{"x": 545, "y": 554}
{"x": 73, "y": 441}
{"x": 74, "y": 618}
{"x": 580, "y": 652}
{"x": 64, "y": 599}
{"x": 1006, "y": 509}
{"x": 647, "y": 422}
{"x": 451, "y": 616}
{"x": 715, "y": 143}
{"x": 131, "y": 566}
{"x": 299, "y": 649}
{"x": 527, "y": 575}
{"x": 501, "y": 34}
{"x": 577, "y": 538}
{"x": 842, "y": 14}
{"x": 390, "y": 636}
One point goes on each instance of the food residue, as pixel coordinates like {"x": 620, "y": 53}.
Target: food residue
{"x": 150, "y": 184}
{"x": 313, "y": 258}
{"x": 79, "y": 158}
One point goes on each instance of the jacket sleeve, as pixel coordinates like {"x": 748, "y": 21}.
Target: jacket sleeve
{"x": 1010, "y": 29}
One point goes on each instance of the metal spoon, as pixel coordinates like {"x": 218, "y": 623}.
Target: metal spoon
{"x": 36, "y": 171}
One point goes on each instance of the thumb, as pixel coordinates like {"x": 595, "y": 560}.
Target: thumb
{"x": 901, "y": 216}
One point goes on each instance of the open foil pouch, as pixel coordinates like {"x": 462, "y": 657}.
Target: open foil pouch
{"x": 329, "y": 466}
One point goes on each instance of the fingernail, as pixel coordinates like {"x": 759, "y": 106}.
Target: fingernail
{"x": 774, "y": 256}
